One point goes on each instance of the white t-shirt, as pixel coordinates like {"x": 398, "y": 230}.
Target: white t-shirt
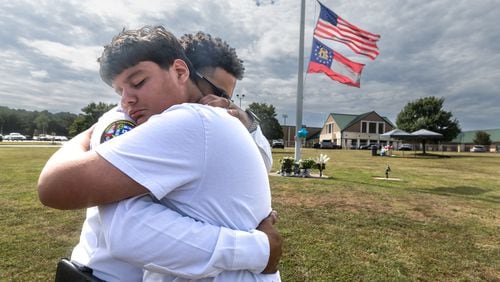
{"x": 200, "y": 162}
{"x": 160, "y": 232}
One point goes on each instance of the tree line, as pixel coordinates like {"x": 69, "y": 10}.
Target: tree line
{"x": 34, "y": 123}
{"x": 423, "y": 113}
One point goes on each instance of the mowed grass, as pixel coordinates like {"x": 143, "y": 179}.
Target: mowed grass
{"x": 32, "y": 237}
{"x": 440, "y": 222}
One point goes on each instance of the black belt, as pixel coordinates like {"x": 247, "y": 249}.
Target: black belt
{"x": 70, "y": 271}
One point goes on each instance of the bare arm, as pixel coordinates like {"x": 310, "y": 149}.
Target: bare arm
{"x": 275, "y": 242}
{"x": 75, "y": 178}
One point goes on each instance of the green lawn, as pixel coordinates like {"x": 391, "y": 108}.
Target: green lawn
{"x": 440, "y": 222}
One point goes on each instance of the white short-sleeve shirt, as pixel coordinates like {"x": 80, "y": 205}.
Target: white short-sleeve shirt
{"x": 199, "y": 157}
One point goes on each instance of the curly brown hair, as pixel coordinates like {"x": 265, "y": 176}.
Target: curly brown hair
{"x": 203, "y": 51}
{"x": 131, "y": 47}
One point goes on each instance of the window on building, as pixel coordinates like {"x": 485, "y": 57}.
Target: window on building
{"x": 372, "y": 127}
{"x": 380, "y": 128}
{"x": 363, "y": 126}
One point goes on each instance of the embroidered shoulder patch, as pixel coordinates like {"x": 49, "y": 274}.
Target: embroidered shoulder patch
{"x": 116, "y": 128}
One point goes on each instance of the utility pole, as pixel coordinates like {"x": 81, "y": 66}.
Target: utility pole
{"x": 240, "y": 97}
{"x": 285, "y": 116}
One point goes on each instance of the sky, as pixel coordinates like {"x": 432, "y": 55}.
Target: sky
{"x": 444, "y": 48}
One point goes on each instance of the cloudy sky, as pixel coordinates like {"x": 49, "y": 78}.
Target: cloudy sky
{"x": 442, "y": 48}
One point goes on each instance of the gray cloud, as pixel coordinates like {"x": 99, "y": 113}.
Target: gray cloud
{"x": 442, "y": 48}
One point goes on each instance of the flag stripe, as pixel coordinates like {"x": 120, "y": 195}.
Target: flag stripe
{"x": 331, "y": 26}
{"x": 370, "y": 53}
{"x": 319, "y": 68}
{"x": 347, "y": 33}
{"x": 328, "y": 31}
{"x": 355, "y": 67}
{"x": 356, "y": 46}
{"x": 370, "y": 35}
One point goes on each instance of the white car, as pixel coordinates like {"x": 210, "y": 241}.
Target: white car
{"x": 14, "y": 136}
{"x": 278, "y": 144}
{"x": 405, "y": 147}
{"x": 478, "y": 148}
{"x": 60, "y": 138}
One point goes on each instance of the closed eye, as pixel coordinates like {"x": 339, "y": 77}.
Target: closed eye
{"x": 139, "y": 84}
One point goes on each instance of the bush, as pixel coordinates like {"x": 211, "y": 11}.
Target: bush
{"x": 307, "y": 164}
{"x": 287, "y": 164}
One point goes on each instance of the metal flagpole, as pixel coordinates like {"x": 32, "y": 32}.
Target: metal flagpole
{"x": 300, "y": 82}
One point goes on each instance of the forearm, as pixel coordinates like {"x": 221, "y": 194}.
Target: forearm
{"x": 52, "y": 188}
{"x": 75, "y": 178}
{"x": 151, "y": 236}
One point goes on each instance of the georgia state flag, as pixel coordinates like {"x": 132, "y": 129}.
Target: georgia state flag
{"x": 334, "y": 65}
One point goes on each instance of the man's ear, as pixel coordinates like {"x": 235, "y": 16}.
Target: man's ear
{"x": 181, "y": 69}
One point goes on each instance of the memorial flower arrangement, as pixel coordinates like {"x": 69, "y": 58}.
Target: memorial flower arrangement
{"x": 287, "y": 165}
{"x": 321, "y": 163}
{"x": 307, "y": 165}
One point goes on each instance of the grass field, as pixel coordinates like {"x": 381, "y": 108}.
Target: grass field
{"x": 441, "y": 222}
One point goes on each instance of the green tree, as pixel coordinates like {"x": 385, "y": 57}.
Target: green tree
{"x": 270, "y": 126}
{"x": 91, "y": 114}
{"x": 42, "y": 122}
{"x": 482, "y": 138}
{"x": 427, "y": 113}
{"x": 2, "y": 121}
{"x": 60, "y": 122}
{"x": 29, "y": 122}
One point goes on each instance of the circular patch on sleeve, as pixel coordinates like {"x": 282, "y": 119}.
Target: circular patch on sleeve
{"x": 116, "y": 128}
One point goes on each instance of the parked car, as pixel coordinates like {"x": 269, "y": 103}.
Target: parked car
{"x": 327, "y": 144}
{"x": 317, "y": 145}
{"x": 405, "y": 147}
{"x": 478, "y": 148}
{"x": 14, "y": 136}
{"x": 278, "y": 144}
{"x": 367, "y": 146}
{"x": 60, "y": 138}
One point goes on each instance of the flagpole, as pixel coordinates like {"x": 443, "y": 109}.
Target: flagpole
{"x": 300, "y": 82}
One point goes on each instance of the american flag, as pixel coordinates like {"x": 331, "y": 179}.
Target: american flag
{"x": 331, "y": 26}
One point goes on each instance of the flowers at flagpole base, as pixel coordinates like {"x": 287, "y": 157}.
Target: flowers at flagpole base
{"x": 321, "y": 163}
{"x": 287, "y": 165}
{"x": 306, "y": 166}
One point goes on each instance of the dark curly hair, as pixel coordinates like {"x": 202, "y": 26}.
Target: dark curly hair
{"x": 131, "y": 47}
{"x": 203, "y": 51}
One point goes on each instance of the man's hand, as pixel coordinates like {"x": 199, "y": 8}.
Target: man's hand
{"x": 232, "y": 109}
{"x": 82, "y": 140}
{"x": 275, "y": 242}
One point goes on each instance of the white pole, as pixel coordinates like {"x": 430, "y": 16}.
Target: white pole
{"x": 300, "y": 83}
